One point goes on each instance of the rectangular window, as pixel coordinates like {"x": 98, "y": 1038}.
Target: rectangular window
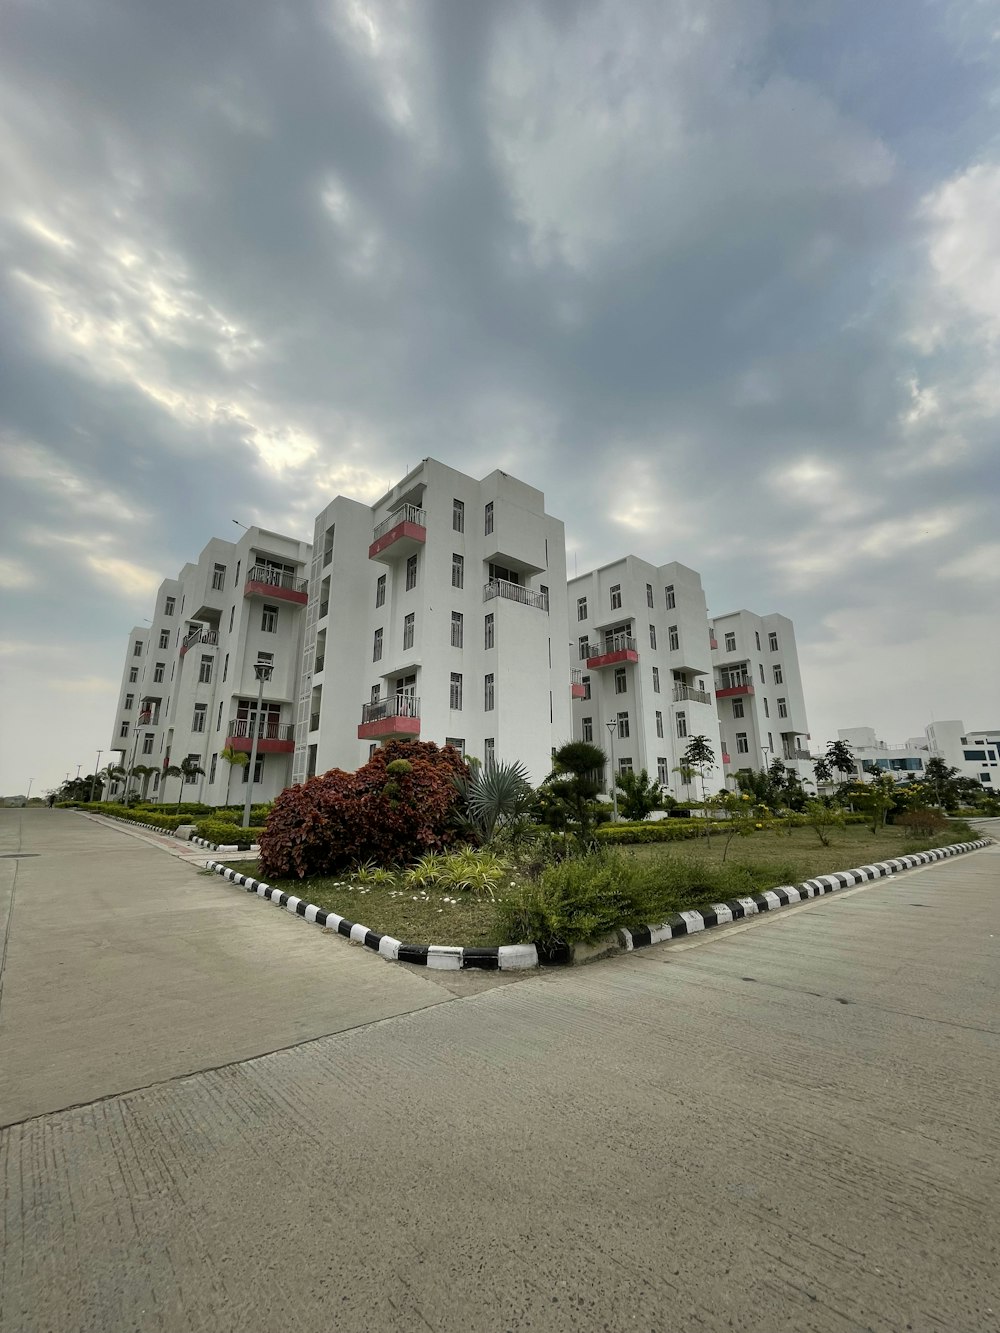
{"x": 377, "y": 646}
{"x": 489, "y": 693}
{"x": 212, "y": 767}
{"x": 408, "y": 624}
{"x": 586, "y": 687}
{"x": 584, "y": 647}
{"x": 458, "y": 515}
{"x": 218, "y": 578}
{"x": 411, "y": 572}
{"x": 656, "y": 680}
{"x": 192, "y": 778}
{"x": 490, "y": 629}
{"x": 147, "y": 742}
{"x": 455, "y": 700}
{"x": 662, "y": 771}
{"x": 756, "y": 636}
{"x": 489, "y": 752}
{"x": 200, "y": 716}
{"x": 621, "y": 680}
{"x": 489, "y": 518}
{"x": 269, "y": 620}
{"x": 682, "y": 725}
{"x": 457, "y": 629}
{"x": 588, "y": 729}
{"x": 760, "y": 668}
{"x": 625, "y": 764}
{"x": 380, "y": 591}
{"x": 652, "y": 636}
{"x": 236, "y": 580}
{"x": 616, "y": 596}
{"x": 164, "y": 638}
{"x": 124, "y": 730}
{"x": 129, "y": 701}
{"x": 673, "y": 638}
{"x": 778, "y": 678}
{"x": 218, "y": 720}
{"x": 730, "y": 643}
{"x": 782, "y": 707}
{"x": 168, "y": 606}
{"x": 772, "y": 642}
{"x": 457, "y": 571}
{"x": 158, "y": 673}
{"x": 623, "y": 726}
{"x": 649, "y": 594}
{"x": 328, "y": 544}
{"x": 258, "y": 769}
{"x": 232, "y": 616}
{"x": 456, "y": 743}
{"x": 669, "y": 594}
{"x": 581, "y": 608}
{"x": 205, "y": 670}
{"x": 543, "y": 592}
{"x": 737, "y": 708}
{"x": 133, "y": 675}
{"x": 767, "y": 711}
{"x": 137, "y": 649}
{"x": 770, "y": 742}
{"x": 659, "y": 724}
{"x": 225, "y": 666}
{"x": 742, "y": 744}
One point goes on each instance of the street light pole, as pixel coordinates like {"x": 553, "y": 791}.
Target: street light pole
{"x": 263, "y": 671}
{"x": 93, "y": 785}
{"x": 612, "y": 728}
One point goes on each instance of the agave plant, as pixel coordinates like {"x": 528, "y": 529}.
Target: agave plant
{"x": 494, "y": 799}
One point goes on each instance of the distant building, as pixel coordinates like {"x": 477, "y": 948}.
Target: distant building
{"x": 975, "y": 752}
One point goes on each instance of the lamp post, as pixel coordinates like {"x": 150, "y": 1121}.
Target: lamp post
{"x": 263, "y": 672}
{"x": 612, "y": 728}
{"x": 93, "y": 785}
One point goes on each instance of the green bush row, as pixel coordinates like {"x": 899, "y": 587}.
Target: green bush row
{"x": 663, "y": 830}
{"x": 223, "y": 834}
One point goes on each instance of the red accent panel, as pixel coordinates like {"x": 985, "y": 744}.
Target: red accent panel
{"x": 713, "y": 643}
{"x": 255, "y": 588}
{"x": 578, "y": 691}
{"x": 726, "y": 759}
{"x": 734, "y": 689}
{"x": 389, "y": 726}
{"x": 415, "y": 531}
{"x": 612, "y": 659}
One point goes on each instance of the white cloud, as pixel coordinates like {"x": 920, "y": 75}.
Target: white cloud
{"x": 15, "y": 573}
{"x": 980, "y": 565}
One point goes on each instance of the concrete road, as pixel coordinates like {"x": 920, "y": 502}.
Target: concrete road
{"x": 789, "y": 1126}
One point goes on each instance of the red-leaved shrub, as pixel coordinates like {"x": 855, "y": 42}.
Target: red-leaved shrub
{"x": 392, "y": 810}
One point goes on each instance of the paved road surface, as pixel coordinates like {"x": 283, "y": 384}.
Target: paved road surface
{"x": 787, "y": 1127}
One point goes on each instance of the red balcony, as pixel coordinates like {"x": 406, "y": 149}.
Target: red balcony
{"x": 729, "y": 690}
{"x": 398, "y": 716}
{"x": 577, "y": 689}
{"x": 613, "y": 652}
{"x": 726, "y": 759}
{"x": 272, "y": 737}
{"x": 712, "y": 643}
{"x": 262, "y": 581}
{"x": 402, "y": 533}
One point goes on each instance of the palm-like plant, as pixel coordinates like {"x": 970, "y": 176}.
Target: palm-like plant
{"x": 144, "y": 772}
{"x": 235, "y": 759}
{"x": 495, "y": 799}
{"x": 188, "y": 768}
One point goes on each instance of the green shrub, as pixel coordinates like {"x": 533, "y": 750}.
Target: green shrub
{"x": 214, "y": 830}
{"x": 664, "y": 830}
{"x": 922, "y": 823}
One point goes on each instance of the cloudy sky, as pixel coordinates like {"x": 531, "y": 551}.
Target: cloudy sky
{"x": 721, "y": 276}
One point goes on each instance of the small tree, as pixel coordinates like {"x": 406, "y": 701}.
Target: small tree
{"x": 840, "y": 756}
{"x": 744, "y": 817}
{"x": 878, "y": 797}
{"x": 941, "y": 780}
{"x": 565, "y": 796}
{"x": 700, "y": 756}
{"x": 189, "y": 768}
{"x": 821, "y": 818}
{"x": 686, "y": 774}
{"x": 235, "y": 759}
{"x": 640, "y": 794}
{"x": 822, "y": 771}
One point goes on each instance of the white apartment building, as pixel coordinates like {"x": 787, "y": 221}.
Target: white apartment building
{"x": 642, "y": 679}
{"x": 974, "y": 751}
{"x": 758, "y": 691}
{"x": 430, "y": 616}
{"x": 902, "y": 762}
{"x": 189, "y": 688}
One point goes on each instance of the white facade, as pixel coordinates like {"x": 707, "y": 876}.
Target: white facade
{"x": 192, "y": 690}
{"x": 901, "y": 762}
{"x": 974, "y": 751}
{"x": 758, "y": 690}
{"x": 644, "y": 662}
{"x": 430, "y": 616}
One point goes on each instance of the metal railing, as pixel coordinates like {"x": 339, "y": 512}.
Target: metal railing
{"x": 276, "y": 578}
{"x": 314, "y": 721}
{"x": 575, "y": 676}
{"x": 513, "y": 592}
{"x": 320, "y": 662}
{"x": 243, "y": 728}
{"x": 397, "y": 705}
{"x": 406, "y": 514}
{"x": 682, "y": 692}
{"x": 794, "y": 752}
{"x": 734, "y": 683}
{"x": 618, "y": 643}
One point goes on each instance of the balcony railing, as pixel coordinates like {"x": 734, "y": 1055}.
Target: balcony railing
{"x": 407, "y": 514}
{"x": 734, "y": 685}
{"x": 209, "y": 637}
{"x": 277, "y": 578}
{"x": 242, "y": 728}
{"x": 575, "y": 676}
{"x": 618, "y": 643}
{"x": 324, "y": 608}
{"x": 682, "y": 692}
{"x": 398, "y": 705}
{"x": 513, "y": 592}
{"x": 320, "y": 662}
{"x": 795, "y": 752}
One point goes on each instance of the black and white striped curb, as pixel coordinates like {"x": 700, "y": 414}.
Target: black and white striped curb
{"x": 224, "y": 846}
{"x": 721, "y": 914}
{"x": 503, "y": 958}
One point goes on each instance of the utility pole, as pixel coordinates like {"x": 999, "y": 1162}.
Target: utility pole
{"x": 93, "y": 785}
{"x": 612, "y": 728}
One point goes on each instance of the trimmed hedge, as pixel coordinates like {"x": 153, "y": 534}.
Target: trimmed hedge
{"x": 226, "y": 835}
{"x": 663, "y": 830}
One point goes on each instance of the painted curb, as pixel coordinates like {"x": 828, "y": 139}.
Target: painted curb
{"x": 516, "y": 957}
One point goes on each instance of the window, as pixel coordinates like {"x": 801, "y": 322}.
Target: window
{"x": 659, "y": 724}
{"x": 778, "y": 678}
{"x": 770, "y": 742}
{"x": 137, "y": 648}
{"x": 682, "y": 724}
{"x": 164, "y": 639}
{"x": 408, "y": 624}
{"x": 489, "y": 518}
{"x": 730, "y": 643}
{"x": 543, "y": 592}
{"x": 649, "y": 594}
{"x": 756, "y": 636}
{"x": 225, "y": 666}
{"x": 237, "y": 578}
{"x": 158, "y": 673}
{"x": 760, "y": 668}
{"x": 218, "y": 578}
{"x": 504, "y": 575}
{"x": 377, "y": 646}
{"x": 124, "y": 730}
{"x": 742, "y": 744}
{"x": 212, "y": 767}
{"x": 490, "y": 629}
{"x": 411, "y": 572}
{"x": 652, "y": 636}
{"x": 662, "y": 771}
{"x": 986, "y": 777}
{"x": 133, "y": 675}
{"x": 656, "y": 680}
{"x": 668, "y": 592}
{"x": 772, "y": 642}
{"x": 586, "y": 687}
{"x": 616, "y": 596}
{"x": 455, "y": 700}
{"x": 588, "y": 729}
{"x": 147, "y": 742}
{"x": 328, "y": 545}
{"x": 269, "y": 620}
{"x": 380, "y": 591}
{"x": 457, "y": 743}
{"x": 205, "y": 670}
{"x": 767, "y": 711}
{"x": 168, "y": 606}
{"x": 972, "y": 756}
{"x": 129, "y": 701}
{"x": 200, "y": 716}
{"x": 673, "y": 638}
{"x": 489, "y": 693}
{"x": 581, "y": 608}
{"x": 489, "y": 752}
{"x": 457, "y": 571}
{"x": 623, "y": 726}
{"x": 782, "y": 707}
{"x": 584, "y": 647}
{"x": 458, "y": 515}
{"x": 218, "y": 720}
{"x": 621, "y": 681}
{"x": 192, "y": 778}
{"x": 232, "y": 616}
{"x": 457, "y": 629}
{"x": 258, "y": 769}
